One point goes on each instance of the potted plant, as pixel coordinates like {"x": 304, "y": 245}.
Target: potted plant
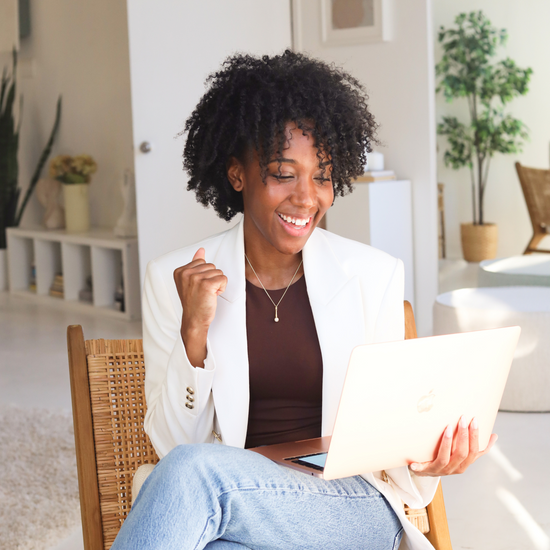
{"x": 10, "y": 214}
{"x": 467, "y": 70}
{"x": 74, "y": 173}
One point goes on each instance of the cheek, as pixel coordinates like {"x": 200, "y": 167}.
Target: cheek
{"x": 327, "y": 197}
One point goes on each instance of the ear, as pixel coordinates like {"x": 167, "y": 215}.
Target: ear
{"x": 235, "y": 173}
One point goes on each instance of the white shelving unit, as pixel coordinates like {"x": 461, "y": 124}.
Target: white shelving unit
{"x": 108, "y": 259}
{"x": 380, "y": 214}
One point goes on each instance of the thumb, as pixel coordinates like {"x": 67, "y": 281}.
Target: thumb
{"x": 199, "y": 254}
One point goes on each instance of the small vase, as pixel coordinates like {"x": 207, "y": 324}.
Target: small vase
{"x": 77, "y": 207}
{"x": 479, "y": 242}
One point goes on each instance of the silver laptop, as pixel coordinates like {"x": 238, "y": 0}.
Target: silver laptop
{"x": 398, "y": 398}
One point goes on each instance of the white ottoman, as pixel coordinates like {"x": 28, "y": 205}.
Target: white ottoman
{"x": 527, "y": 270}
{"x": 528, "y": 387}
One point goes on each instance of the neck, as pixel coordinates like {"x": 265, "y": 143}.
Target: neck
{"x": 274, "y": 269}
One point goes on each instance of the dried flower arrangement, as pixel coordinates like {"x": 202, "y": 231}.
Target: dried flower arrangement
{"x": 67, "y": 169}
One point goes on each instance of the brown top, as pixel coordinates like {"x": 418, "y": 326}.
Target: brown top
{"x": 285, "y": 367}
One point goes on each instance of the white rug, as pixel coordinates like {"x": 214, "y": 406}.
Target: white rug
{"x": 39, "y": 503}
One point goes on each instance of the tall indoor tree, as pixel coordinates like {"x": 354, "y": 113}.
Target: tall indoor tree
{"x": 468, "y": 70}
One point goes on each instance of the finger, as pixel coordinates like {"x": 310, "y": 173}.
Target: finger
{"x": 492, "y": 441}
{"x": 182, "y": 269}
{"x": 203, "y": 275}
{"x": 473, "y": 447}
{"x": 461, "y": 445}
{"x": 196, "y": 267}
{"x": 199, "y": 255}
{"x": 223, "y": 285}
{"x": 445, "y": 448}
{"x": 462, "y": 433}
{"x": 216, "y": 284}
{"x": 199, "y": 268}
{"x": 443, "y": 456}
{"x": 474, "y": 436}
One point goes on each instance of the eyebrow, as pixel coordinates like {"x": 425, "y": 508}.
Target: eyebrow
{"x": 292, "y": 161}
{"x": 282, "y": 159}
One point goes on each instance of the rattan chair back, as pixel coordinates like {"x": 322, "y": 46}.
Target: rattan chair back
{"x": 107, "y": 390}
{"x": 535, "y": 184}
{"x": 116, "y": 371}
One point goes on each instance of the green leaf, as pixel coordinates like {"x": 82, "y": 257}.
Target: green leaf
{"x": 41, "y": 162}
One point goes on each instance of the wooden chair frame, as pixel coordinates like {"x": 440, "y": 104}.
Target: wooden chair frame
{"x": 535, "y": 184}
{"x": 105, "y": 421}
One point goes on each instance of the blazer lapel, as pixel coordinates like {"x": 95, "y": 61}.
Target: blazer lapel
{"x": 334, "y": 299}
{"x": 339, "y": 322}
{"x": 228, "y": 342}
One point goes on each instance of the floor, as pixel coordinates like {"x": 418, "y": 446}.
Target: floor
{"x": 501, "y": 503}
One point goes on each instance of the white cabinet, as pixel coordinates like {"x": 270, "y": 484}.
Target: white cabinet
{"x": 379, "y": 214}
{"x": 112, "y": 263}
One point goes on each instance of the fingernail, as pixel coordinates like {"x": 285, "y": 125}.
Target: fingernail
{"x": 474, "y": 423}
{"x": 463, "y": 423}
{"x": 413, "y": 466}
{"x": 448, "y": 431}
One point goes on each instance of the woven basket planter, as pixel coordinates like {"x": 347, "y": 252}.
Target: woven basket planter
{"x": 479, "y": 242}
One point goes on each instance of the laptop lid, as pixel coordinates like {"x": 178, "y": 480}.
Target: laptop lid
{"x": 398, "y": 397}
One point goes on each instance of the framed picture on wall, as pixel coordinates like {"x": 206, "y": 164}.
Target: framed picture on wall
{"x": 348, "y": 22}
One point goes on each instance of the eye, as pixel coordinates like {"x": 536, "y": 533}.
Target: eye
{"x": 282, "y": 177}
{"x": 322, "y": 180}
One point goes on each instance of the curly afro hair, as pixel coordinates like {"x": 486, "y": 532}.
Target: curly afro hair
{"x": 247, "y": 106}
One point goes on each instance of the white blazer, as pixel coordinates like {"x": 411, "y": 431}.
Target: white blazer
{"x": 356, "y": 296}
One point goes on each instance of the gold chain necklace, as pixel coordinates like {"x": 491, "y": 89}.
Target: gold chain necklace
{"x": 276, "y": 305}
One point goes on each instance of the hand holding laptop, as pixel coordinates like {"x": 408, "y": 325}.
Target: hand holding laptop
{"x": 397, "y": 399}
{"x": 455, "y": 453}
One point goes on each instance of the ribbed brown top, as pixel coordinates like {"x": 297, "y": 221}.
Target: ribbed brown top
{"x": 286, "y": 367}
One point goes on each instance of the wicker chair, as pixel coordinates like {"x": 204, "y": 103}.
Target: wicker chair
{"x": 536, "y": 190}
{"x": 107, "y": 390}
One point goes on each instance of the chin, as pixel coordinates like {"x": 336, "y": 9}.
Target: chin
{"x": 294, "y": 247}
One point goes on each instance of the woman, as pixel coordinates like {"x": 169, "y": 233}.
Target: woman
{"x": 247, "y": 335}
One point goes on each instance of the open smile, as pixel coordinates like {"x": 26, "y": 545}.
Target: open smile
{"x": 294, "y": 225}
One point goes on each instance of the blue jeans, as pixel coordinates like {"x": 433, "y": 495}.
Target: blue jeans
{"x": 223, "y": 498}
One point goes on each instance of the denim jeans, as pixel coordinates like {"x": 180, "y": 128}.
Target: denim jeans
{"x": 223, "y": 498}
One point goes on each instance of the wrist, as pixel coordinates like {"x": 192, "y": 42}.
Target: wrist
{"x": 198, "y": 334}
{"x": 194, "y": 341}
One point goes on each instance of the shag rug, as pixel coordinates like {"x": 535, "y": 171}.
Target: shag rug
{"x": 39, "y": 503}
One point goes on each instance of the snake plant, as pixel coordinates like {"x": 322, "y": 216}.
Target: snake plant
{"x": 10, "y": 214}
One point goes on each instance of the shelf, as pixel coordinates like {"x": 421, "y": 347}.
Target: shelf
{"x": 109, "y": 261}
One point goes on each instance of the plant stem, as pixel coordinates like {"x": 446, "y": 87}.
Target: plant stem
{"x": 472, "y": 176}
{"x": 483, "y": 185}
{"x": 474, "y": 210}
{"x": 479, "y": 160}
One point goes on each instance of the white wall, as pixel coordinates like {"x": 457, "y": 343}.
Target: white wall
{"x": 174, "y": 45}
{"x": 398, "y": 75}
{"x": 9, "y": 25}
{"x": 78, "y": 49}
{"x": 528, "y": 45}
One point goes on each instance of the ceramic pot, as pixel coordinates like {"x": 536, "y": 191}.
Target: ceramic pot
{"x": 77, "y": 207}
{"x": 479, "y": 242}
{"x": 3, "y": 269}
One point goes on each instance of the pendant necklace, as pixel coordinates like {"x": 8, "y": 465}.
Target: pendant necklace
{"x": 276, "y": 305}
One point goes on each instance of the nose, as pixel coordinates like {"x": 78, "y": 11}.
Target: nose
{"x": 304, "y": 193}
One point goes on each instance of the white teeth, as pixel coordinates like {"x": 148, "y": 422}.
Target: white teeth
{"x": 300, "y": 222}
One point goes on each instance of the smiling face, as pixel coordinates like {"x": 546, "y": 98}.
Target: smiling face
{"x": 281, "y": 212}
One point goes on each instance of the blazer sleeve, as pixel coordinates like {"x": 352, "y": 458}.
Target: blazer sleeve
{"x": 415, "y": 491}
{"x": 180, "y": 408}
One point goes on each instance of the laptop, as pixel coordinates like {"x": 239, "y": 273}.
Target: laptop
{"x": 398, "y": 398}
